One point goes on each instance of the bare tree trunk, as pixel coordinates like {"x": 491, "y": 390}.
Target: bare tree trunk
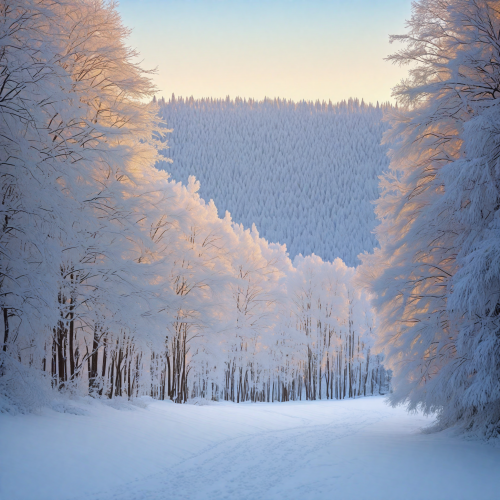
{"x": 184, "y": 374}
{"x": 71, "y": 334}
{"x": 169, "y": 382}
{"x": 327, "y": 376}
{"x": 94, "y": 361}
{"x": 61, "y": 355}
{"x": 112, "y": 376}
{"x": 6, "y": 327}
{"x": 103, "y": 368}
{"x": 366, "y": 374}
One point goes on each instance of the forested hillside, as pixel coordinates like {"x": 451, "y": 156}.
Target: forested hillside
{"x": 305, "y": 173}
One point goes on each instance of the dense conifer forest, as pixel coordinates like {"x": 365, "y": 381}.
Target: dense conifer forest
{"x": 306, "y": 173}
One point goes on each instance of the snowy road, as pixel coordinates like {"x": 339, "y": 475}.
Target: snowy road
{"x": 356, "y": 449}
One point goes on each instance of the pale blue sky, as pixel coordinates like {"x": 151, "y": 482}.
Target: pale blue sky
{"x": 296, "y": 49}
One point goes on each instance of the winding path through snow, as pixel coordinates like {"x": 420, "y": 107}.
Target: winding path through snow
{"x": 354, "y": 449}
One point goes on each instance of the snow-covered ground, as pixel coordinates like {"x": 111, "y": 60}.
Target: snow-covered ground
{"x": 353, "y": 449}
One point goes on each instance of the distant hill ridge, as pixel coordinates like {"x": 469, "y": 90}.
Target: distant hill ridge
{"x": 304, "y": 172}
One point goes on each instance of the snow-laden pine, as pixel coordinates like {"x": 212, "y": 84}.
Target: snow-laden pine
{"x": 437, "y": 274}
{"x": 305, "y": 173}
{"x": 117, "y": 281}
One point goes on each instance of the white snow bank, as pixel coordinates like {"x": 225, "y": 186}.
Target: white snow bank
{"x": 353, "y": 449}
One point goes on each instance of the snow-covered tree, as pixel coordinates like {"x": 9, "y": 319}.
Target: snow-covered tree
{"x": 73, "y": 134}
{"x": 437, "y": 274}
